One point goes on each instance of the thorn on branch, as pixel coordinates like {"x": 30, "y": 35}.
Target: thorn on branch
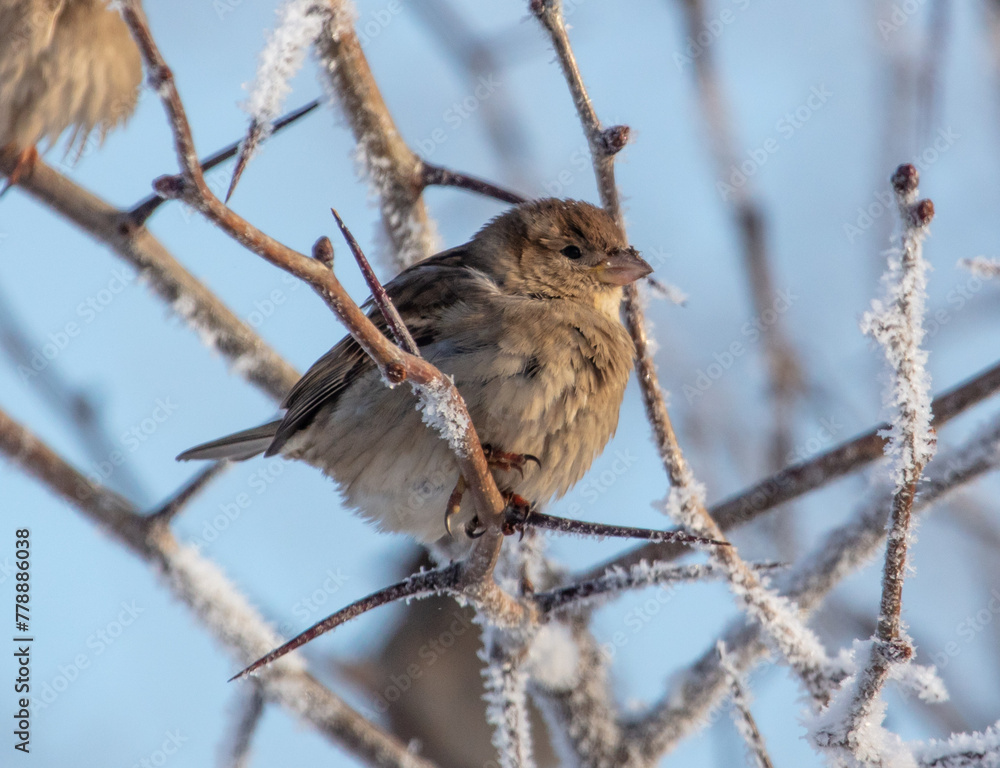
{"x": 323, "y": 252}
{"x": 614, "y": 139}
{"x": 170, "y": 187}
{"x": 379, "y": 295}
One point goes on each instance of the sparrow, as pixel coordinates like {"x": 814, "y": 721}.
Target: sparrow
{"x": 525, "y": 318}
{"x": 63, "y": 64}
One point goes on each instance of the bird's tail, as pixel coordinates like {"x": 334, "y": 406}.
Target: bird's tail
{"x": 235, "y": 447}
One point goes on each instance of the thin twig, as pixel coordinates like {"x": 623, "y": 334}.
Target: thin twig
{"x": 237, "y": 753}
{"x": 899, "y": 329}
{"x": 565, "y": 525}
{"x": 379, "y": 295}
{"x": 165, "y": 514}
{"x": 438, "y": 581}
{"x": 749, "y": 221}
{"x": 436, "y": 175}
{"x": 618, "y": 580}
{"x": 743, "y": 718}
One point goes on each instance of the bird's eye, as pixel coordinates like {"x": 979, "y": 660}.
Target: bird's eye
{"x": 571, "y": 252}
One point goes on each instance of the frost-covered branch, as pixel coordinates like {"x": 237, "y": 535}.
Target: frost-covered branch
{"x": 221, "y": 609}
{"x": 743, "y": 718}
{"x": 617, "y": 580}
{"x": 799, "y": 479}
{"x": 506, "y": 679}
{"x": 846, "y": 549}
{"x": 962, "y": 750}
{"x": 896, "y": 322}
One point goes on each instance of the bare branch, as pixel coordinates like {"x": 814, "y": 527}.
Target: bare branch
{"x": 169, "y": 510}
{"x": 743, "y": 718}
{"x": 251, "y": 708}
{"x": 379, "y": 296}
{"x": 141, "y": 211}
{"x": 392, "y": 167}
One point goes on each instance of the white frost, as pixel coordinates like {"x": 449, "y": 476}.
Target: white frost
{"x": 554, "y": 657}
{"x": 439, "y": 410}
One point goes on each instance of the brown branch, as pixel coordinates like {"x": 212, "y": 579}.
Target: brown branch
{"x": 223, "y": 611}
{"x": 186, "y": 296}
{"x": 251, "y": 709}
{"x": 379, "y": 296}
{"x": 801, "y": 478}
{"x": 743, "y": 718}
{"x": 391, "y": 165}
{"x": 902, "y": 346}
{"x": 436, "y": 582}
{"x": 581, "y": 528}
{"x": 439, "y": 397}
{"x": 436, "y": 175}
{"x": 169, "y": 510}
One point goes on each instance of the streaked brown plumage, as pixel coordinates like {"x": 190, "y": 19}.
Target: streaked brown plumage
{"x": 525, "y": 317}
{"x": 63, "y": 64}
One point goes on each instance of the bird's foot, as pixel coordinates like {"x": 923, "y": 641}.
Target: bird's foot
{"x": 454, "y": 505}
{"x": 515, "y": 518}
{"x": 497, "y": 459}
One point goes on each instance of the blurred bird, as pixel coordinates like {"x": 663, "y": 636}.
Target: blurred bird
{"x": 526, "y": 319}
{"x": 63, "y": 63}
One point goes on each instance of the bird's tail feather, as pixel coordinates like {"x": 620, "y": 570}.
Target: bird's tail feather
{"x": 235, "y": 447}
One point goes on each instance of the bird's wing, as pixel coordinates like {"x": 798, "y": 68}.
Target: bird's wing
{"x": 421, "y": 294}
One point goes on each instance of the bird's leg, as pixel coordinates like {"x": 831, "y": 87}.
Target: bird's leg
{"x": 495, "y": 459}
{"x": 454, "y": 504}
{"x": 24, "y": 166}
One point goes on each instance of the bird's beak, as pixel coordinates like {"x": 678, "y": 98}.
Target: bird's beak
{"x": 622, "y": 267}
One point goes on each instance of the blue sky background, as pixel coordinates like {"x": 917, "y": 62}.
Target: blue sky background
{"x": 163, "y": 675}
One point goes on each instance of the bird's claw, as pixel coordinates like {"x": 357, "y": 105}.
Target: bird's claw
{"x": 497, "y": 459}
